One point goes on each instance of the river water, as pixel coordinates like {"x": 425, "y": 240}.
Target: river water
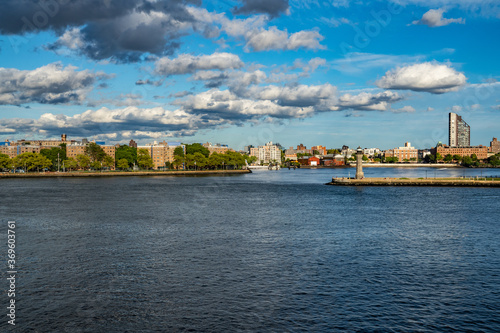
{"x": 271, "y": 251}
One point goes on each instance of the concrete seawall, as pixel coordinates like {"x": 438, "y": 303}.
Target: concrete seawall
{"x": 124, "y": 174}
{"x": 455, "y": 182}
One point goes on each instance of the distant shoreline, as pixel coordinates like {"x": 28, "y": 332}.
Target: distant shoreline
{"x": 386, "y": 165}
{"x": 122, "y": 173}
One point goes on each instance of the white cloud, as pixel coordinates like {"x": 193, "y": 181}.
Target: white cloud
{"x": 257, "y": 36}
{"x": 434, "y": 18}
{"x": 187, "y": 63}
{"x": 430, "y": 77}
{"x": 113, "y": 122}
{"x": 404, "y": 109}
{"x": 368, "y": 101}
{"x": 49, "y": 84}
{"x": 456, "y": 108}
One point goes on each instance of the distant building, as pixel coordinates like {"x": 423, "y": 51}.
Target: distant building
{"x": 132, "y": 143}
{"x": 494, "y": 146}
{"x": 217, "y": 148}
{"x": 322, "y": 150}
{"x": 422, "y": 153}
{"x": 313, "y": 161}
{"x": 266, "y": 154}
{"x": 162, "y": 152}
{"x": 459, "y": 131}
{"x": 480, "y": 151}
{"x": 371, "y": 151}
{"x": 407, "y": 152}
{"x": 246, "y": 149}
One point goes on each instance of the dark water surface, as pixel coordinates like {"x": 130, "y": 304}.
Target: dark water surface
{"x": 272, "y": 251}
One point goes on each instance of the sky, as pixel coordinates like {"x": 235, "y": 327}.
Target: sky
{"x": 332, "y": 73}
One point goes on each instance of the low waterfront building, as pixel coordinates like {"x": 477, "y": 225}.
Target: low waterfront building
{"x": 480, "y": 151}
{"x": 313, "y": 161}
{"x": 406, "y": 153}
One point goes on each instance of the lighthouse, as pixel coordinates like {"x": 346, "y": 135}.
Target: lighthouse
{"x": 359, "y": 163}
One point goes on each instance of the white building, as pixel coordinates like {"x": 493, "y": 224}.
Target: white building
{"x": 267, "y": 153}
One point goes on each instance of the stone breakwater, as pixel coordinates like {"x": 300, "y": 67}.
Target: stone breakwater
{"x": 475, "y": 182}
{"x": 123, "y": 174}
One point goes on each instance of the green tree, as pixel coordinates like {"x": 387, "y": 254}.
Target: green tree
{"x": 108, "y": 162}
{"x": 439, "y": 157}
{"x": 56, "y": 155}
{"x": 179, "y": 158}
{"x": 179, "y": 151}
{"x": 96, "y": 165}
{"x": 448, "y": 158}
{"x": 5, "y": 162}
{"x": 196, "y": 148}
{"x": 200, "y": 160}
{"x": 189, "y": 161}
{"x": 250, "y": 159}
{"x": 392, "y": 159}
{"x": 83, "y": 161}
{"x": 215, "y": 161}
{"x": 333, "y": 151}
{"x": 123, "y": 164}
{"x": 32, "y": 161}
{"x": 71, "y": 164}
{"x": 95, "y": 152}
{"x": 457, "y": 158}
{"x": 365, "y": 158}
{"x": 144, "y": 160}
{"x": 126, "y": 152}
{"x": 315, "y": 152}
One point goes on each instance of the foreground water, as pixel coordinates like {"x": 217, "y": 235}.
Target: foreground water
{"x": 268, "y": 251}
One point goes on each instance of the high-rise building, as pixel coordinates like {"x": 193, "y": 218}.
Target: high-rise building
{"x": 459, "y": 131}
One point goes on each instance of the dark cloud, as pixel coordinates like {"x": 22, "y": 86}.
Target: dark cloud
{"x": 121, "y": 30}
{"x": 272, "y": 7}
{"x": 156, "y": 83}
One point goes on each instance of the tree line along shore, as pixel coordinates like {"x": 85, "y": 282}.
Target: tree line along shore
{"x": 195, "y": 158}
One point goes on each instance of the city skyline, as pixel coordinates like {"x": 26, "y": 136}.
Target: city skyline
{"x": 375, "y": 74}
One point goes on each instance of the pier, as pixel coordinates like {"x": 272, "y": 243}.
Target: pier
{"x": 456, "y": 182}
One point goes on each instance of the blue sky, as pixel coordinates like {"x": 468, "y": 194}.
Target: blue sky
{"x": 360, "y": 73}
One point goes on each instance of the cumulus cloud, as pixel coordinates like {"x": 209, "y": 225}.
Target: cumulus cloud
{"x": 368, "y": 101}
{"x": 404, "y": 109}
{"x": 50, "y": 84}
{"x": 272, "y": 7}
{"x": 434, "y": 18}
{"x": 430, "y": 77}
{"x": 112, "y": 122}
{"x": 257, "y": 36}
{"x": 188, "y": 64}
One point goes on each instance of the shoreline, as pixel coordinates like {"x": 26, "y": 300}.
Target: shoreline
{"x": 384, "y": 165}
{"x": 449, "y": 182}
{"x": 123, "y": 173}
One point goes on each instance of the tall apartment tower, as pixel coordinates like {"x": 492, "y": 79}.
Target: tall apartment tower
{"x": 459, "y": 131}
